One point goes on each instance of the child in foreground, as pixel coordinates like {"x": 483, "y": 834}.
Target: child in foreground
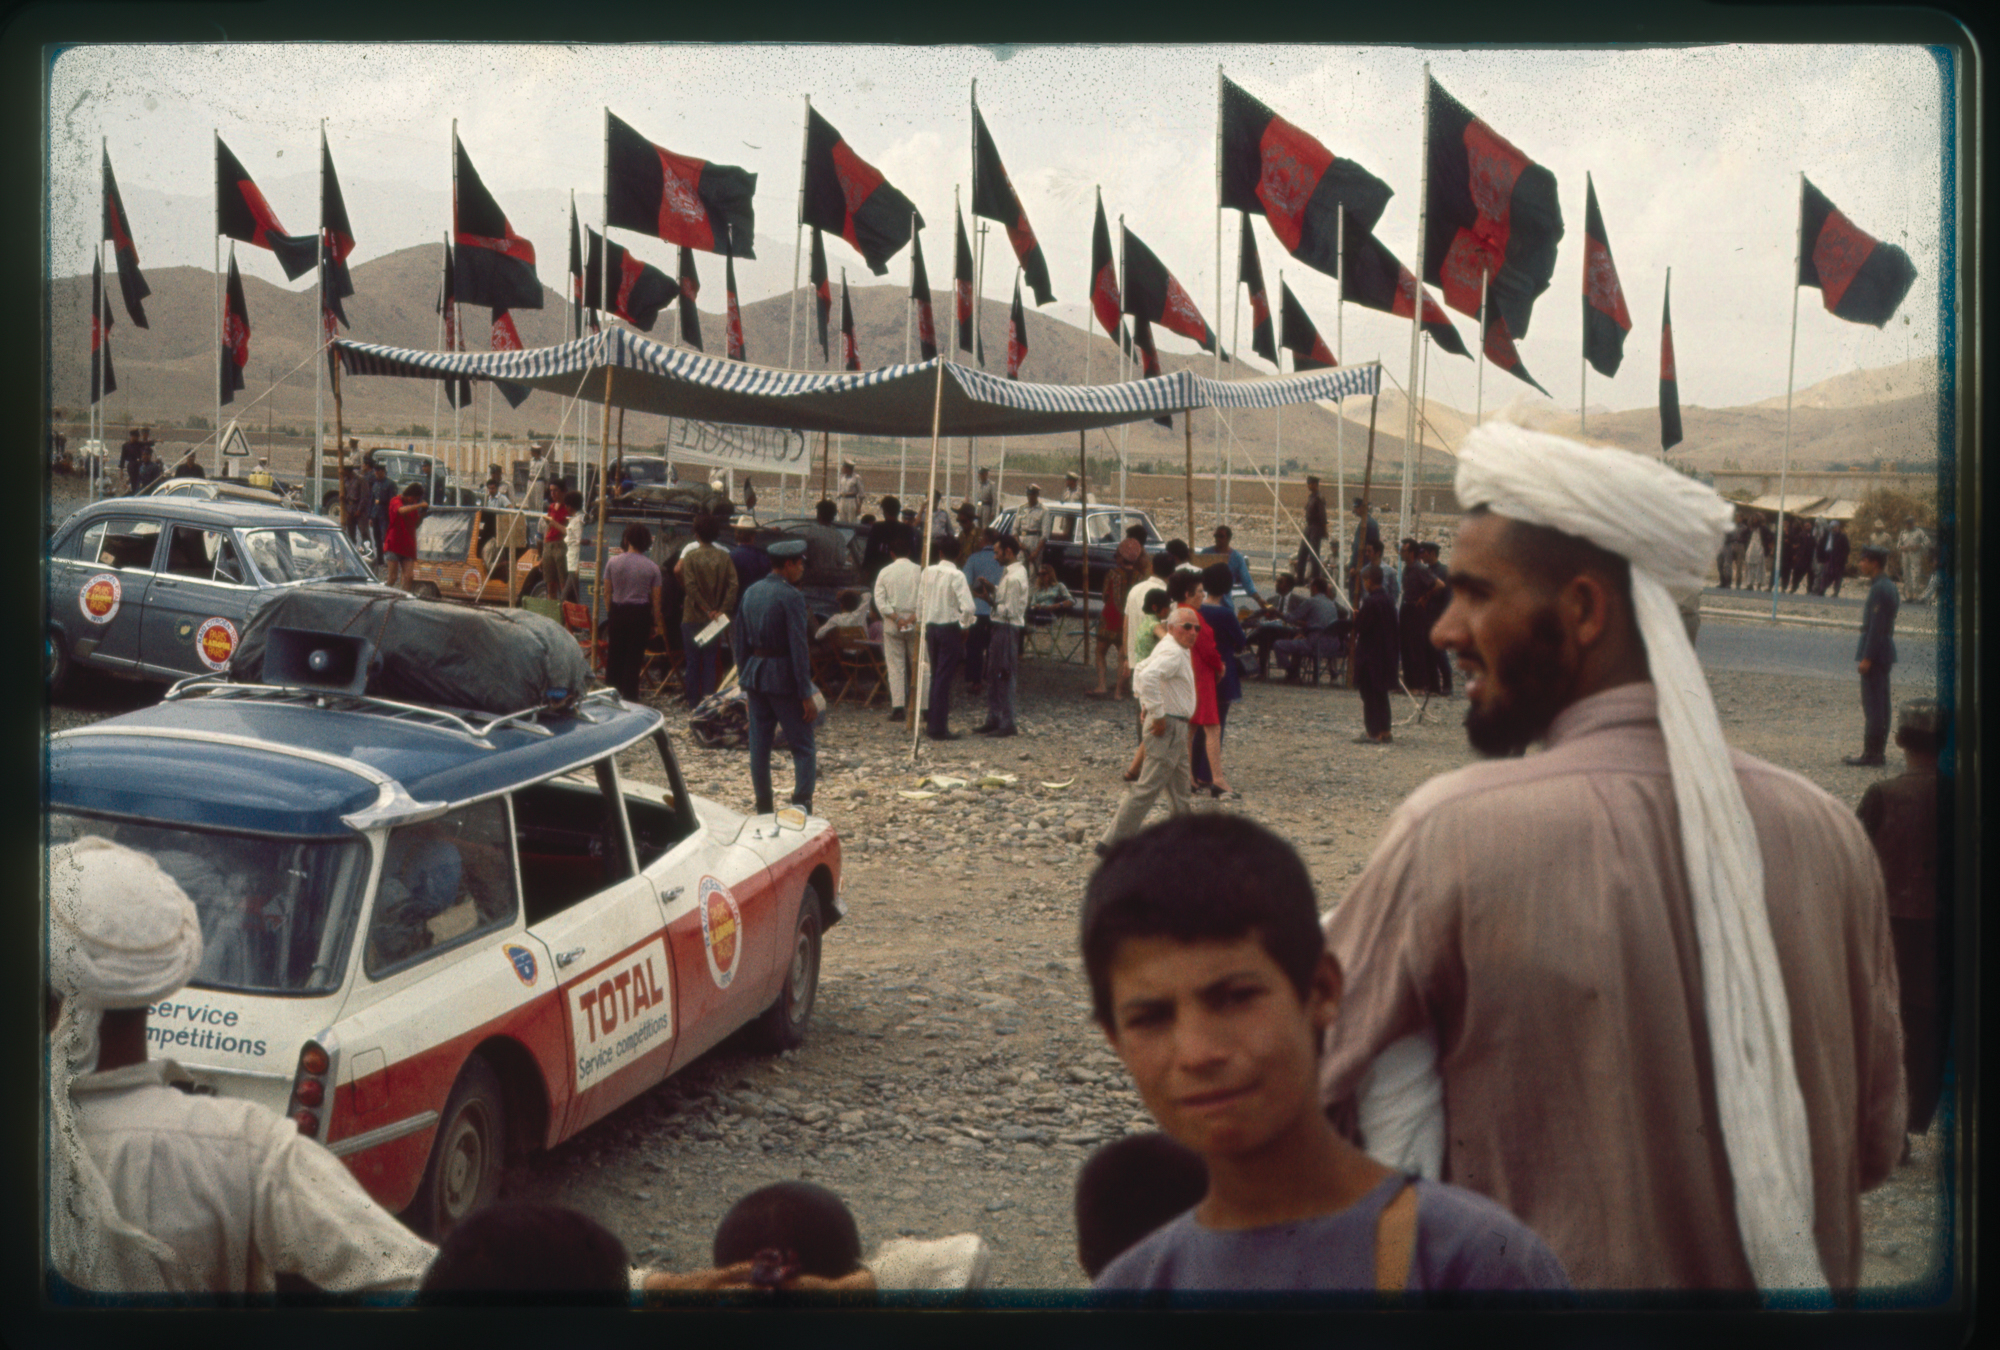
{"x": 1211, "y": 979}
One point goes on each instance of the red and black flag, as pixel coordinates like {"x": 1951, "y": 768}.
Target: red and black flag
{"x": 1140, "y": 342}
{"x": 850, "y": 357}
{"x": 119, "y": 231}
{"x": 457, "y": 392}
{"x": 961, "y": 284}
{"x": 920, "y": 291}
{"x": 1151, "y": 293}
{"x": 580, "y": 304}
{"x": 1605, "y": 318}
{"x": 1374, "y": 279}
{"x": 1670, "y": 383}
{"x": 676, "y": 198}
{"x": 638, "y": 290}
{"x": 690, "y": 287}
{"x": 1250, "y": 272}
{"x": 102, "y": 381}
{"x": 1017, "y": 334}
{"x": 1272, "y": 168}
{"x": 845, "y": 195}
{"x": 242, "y": 213}
{"x": 1300, "y": 336}
{"x": 1500, "y": 349}
{"x": 1104, "y": 298}
{"x": 735, "y": 314}
{"x": 1491, "y": 210}
{"x": 993, "y": 197}
{"x": 336, "y": 237}
{"x": 822, "y": 286}
{"x": 496, "y": 267}
{"x": 507, "y": 338}
{"x": 1860, "y": 278}
{"x": 235, "y": 334}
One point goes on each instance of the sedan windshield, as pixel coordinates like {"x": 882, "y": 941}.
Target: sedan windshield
{"x": 302, "y": 554}
{"x": 276, "y": 914}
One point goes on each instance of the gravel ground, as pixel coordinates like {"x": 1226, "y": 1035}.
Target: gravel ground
{"x": 952, "y": 1079}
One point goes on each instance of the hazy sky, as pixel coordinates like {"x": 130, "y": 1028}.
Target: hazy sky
{"x": 1695, "y": 153}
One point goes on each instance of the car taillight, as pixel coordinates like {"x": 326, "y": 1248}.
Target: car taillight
{"x": 311, "y": 1088}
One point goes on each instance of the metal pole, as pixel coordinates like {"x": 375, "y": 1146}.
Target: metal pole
{"x": 603, "y": 505}
{"x": 319, "y": 336}
{"x": 1125, "y": 428}
{"x": 1414, "y": 527}
{"x": 916, "y": 695}
{"x": 1216, "y": 364}
{"x": 1187, "y": 478}
{"x": 1791, "y": 365}
{"x": 1339, "y": 355}
{"x": 217, "y": 457}
{"x": 1417, "y": 272}
{"x": 798, "y": 237}
{"x": 1583, "y": 342}
{"x": 909, "y": 316}
{"x": 1236, "y": 341}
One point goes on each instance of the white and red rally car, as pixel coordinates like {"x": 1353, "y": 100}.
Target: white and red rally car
{"x": 437, "y": 939}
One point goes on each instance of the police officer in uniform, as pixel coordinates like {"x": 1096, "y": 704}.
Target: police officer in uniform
{"x": 772, "y": 645}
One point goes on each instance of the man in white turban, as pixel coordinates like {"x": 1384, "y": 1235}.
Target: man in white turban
{"x": 1637, "y": 988}
{"x": 153, "y": 1190}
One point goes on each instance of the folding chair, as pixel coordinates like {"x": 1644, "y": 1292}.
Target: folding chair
{"x": 576, "y": 618}
{"x": 660, "y": 671}
{"x": 859, "y": 658}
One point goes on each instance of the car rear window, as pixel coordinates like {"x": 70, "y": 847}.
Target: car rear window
{"x": 444, "y": 535}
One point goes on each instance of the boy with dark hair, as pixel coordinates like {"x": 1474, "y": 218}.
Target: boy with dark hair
{"x": 1213, "y": 983}
{"x": 514, "y": 1253}
{"x": 1127, "y": 1189}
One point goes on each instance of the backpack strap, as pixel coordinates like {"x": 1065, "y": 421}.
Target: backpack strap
{"x": 1396, "y": 1240}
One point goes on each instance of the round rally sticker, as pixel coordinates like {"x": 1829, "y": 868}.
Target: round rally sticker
{"x": 99, "y": 597}
{"x": 469, "y": 583}
{"x": 721, "y": 930}
{"x": 215, "y": 643}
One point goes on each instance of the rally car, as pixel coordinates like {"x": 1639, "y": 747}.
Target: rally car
{"x": 436, "y": 938}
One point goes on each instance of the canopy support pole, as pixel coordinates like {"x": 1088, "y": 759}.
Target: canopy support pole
{"x": 603, "y": 507}
{"x": 914, "y": 697}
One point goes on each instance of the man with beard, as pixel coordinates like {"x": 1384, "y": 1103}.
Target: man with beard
{"x": 1651, "y": 978}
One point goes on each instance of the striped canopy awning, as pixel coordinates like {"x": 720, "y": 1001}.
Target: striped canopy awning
{"x": 624, "y": 370}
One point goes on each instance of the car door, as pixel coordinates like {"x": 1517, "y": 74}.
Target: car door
{"x": 100, "y": 589}
{"x": 603, "y": 924}
{"x": 197, "y": 604}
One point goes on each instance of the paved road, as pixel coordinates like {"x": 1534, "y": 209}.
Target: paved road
{"x": 1820, "y": 653}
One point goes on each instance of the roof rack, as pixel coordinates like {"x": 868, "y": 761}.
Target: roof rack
{"x": 475, "y": 726}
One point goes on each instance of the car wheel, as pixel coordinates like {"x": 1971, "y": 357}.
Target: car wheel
{"x": 468, "y": 1154}
{"x": 58, "y": 664}
{"x": 329, "y": 505}
{"x": 784, "y": 1024}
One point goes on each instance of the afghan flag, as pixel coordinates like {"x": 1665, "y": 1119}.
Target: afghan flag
{"x": 1250, "y": 272}
{"x": 850, "y": 357}
{"x": 1670, "y": 384}
{"x": 993, "y": 197}
{"x": 457, "y": 392}
{"x": 1492, "y": 211}
{"x": 1860, "y": 278}
{"x": 1152, "y": 294}
{"x": 690, "y": 287}
{"x": 496, "y": 267}
{"x": 822, "y": 286}
{"x": 845, "y": 195}
{"x": 1273, "y": 169}
{"x": 961, "y": 284}
{"x": 1605, "y": 319}
{"x": 1017, "y": 334}
{"x": 235, "y": 334}
{"x": 920, "y": 291}
{"x": 1140, "y": 342}
{"x": 579, "y": 302}
{"x": 681, "y": 200}
{"x": 638, "y": 290}
{"x": 102, "y": 381}
{"x": 1500, "y": 349}
{"x": 1299, "y": 335}
{"x": 1374, "y": 279}
{"x": 119, "y": 231}
{"x": 242, "y": 213}
{"x": 735, "y": 314}
{"x": 336, "y": 238}
{"x": 1104, "y": 298}
{"x": 507, "y": 338}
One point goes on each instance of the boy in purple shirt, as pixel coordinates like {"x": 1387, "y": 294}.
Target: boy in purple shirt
{"x": 1212, "y": 982}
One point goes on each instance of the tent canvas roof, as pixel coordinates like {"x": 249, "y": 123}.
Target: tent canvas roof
{"x": 1791, "y": 503}
{"x": 624, "y": 370}
{"x": 1840, "y": 509}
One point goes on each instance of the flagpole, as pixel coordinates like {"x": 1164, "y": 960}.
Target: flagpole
{"x": 1216, "y": 365}
{"x": 1125, "y": 428}
{"x": 1791, "y": 366}
{"x": 319, "y": 323}
{"x": 798, "y": 231}
{"x": 218, "y": 303}
{"x": 1236, "y": 341}
{"x": 919, "y": 695}
{"x": 1415, "y": 505}
{"x": 1479, "y": 363}
{"x": 978, "y": 345}
{"x": 1090, "y": 296}
{"x": 1417, "y": 271}
{"x": 92, "y": 427}
{"x": 1583, "y": 344}
{"x": 1339, "y": 355}
{"x": 909, "y": 317}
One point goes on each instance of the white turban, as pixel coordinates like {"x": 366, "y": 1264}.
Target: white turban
{"x": 122, "y": 934}
{"x": 1667, "y": 526}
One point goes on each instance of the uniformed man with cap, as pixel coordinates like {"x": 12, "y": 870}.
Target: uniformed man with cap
{"x": 772, "y": 643}
{"x": 849, "y": 496}
{"x": 1875, "y": 653}
{"x": 1072, "y": 487}
{"x": 1030, "y": 527}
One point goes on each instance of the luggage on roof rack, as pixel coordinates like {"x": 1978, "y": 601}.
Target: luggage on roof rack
{"x": 428, "y": 652}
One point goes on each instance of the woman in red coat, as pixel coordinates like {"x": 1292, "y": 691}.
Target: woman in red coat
{"x": 1207, "y": 719}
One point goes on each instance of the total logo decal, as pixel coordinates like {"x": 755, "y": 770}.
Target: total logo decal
{"x": 100, "y": 596}
{"x": 622, "y": 1012}
{"x": 215, "y": 643}
{"x": 721, "y": 930}
{"x": 470, "y": 582}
